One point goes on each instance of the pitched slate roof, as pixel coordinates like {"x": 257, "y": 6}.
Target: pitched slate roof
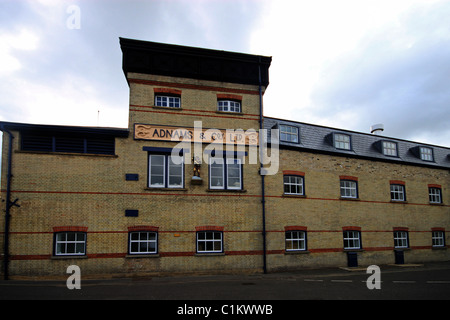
{"x": 319, "y": 139}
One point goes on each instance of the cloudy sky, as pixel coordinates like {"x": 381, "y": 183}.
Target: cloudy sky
{"x": 346, "y": 64}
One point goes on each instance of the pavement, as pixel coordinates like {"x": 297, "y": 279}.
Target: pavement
{"x": 408, "y": 281}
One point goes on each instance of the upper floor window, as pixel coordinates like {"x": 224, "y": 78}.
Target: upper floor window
{"x": 435, "y": 194}
{"x": 342, "y": 141}
{"x": 349, "y": 189}
{"x": 294, "y": 184}
{"x": 225, "y": 173}
{"x": 288, "y": 133}
{"x": 426, "y": 154}
{"x": 229, "y": 106}
{"x": 398, "y": 192}
{"x": 168, "y": 101}
{"x": 165, "y": 171}
{"x": 390, "y": 148}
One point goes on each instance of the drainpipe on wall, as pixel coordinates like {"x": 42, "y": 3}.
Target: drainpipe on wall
{"x": 263, "y": 199}
{"x": 9, "y": 204}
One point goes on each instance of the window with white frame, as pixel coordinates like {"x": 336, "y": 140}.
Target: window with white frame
{"x": 209, "y": 241}
{"x": 398, "y": 192}
{"x": 229, "y": 106}
{"x": 390, "y": 148}
{"x": 342, "y": 141}
{"x": 70, "y": 243}
{"x": 293, "y": 185}
{"x": 401, "y": 239}
{"x": 349, "y": 189}
{"x": 225, "y": 173}
{"x": 435, "y": 195}
{"x": 295, "y": 240}
{"x": 143, "y": 242}
{"x": 165, "y": 171}
{"x": 438, "y": 238}
{"x": 168, "y": 101}
{"x": 288, "y": 133}
{"x": 426, "y": 154}
{"x": 352, "y": 239}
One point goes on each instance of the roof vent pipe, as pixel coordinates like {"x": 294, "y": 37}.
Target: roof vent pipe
{"x": 377, "y": 128}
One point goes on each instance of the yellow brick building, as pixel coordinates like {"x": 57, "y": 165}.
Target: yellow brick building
{"x": 182, "y": 190}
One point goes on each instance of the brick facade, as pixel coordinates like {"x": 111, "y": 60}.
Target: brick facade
{"x": 108, "y": 199}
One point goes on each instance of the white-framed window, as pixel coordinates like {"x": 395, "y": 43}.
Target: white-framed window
{"x": 435, "y": 195}
{"x": 401, "y": 239}
{"x": 352, "y": 239}
{"x": 288, "y": 133}
{"x": 70, "y": 243}
{"x": 342, "y": 141}
{"x": 398, "y": 192}
{"x": 209, "y": 241}
{"x": 295, "y": 240}
{"x": 294, "y": 184}
{"x": 438, "y": 238}
{"x": 168, "y": 101}
{"x": 143, "y": 242}
{"x": 165, "y": 171}
{"x": 225, "y": 173}
{"x": 426, "y": 154}
{"x": 390, "y": 149}
{"x": 229, "y": 106}
{"x": 349, "y": 189}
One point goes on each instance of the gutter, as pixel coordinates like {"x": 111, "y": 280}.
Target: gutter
{"x": 263, "y": 198}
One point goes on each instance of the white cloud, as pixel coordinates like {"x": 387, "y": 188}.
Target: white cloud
{"x": 10, "y": 45}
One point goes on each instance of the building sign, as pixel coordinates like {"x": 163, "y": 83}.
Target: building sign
{"x": 197, "y": 134}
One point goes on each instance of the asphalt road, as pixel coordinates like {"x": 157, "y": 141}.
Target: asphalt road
{"x": 427, "y": 282}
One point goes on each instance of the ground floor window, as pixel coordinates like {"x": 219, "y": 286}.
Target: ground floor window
{"x": 401, "y": 239}
{"x": 352, "y": 239}
{"x": 143, "y": 242}
{"x": 209, "y": 241}
{"x": 295, "y": 240}
{"x": 438, "y": 238}
{"x": 70, "y": 243}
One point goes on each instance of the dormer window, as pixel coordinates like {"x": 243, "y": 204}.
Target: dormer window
{"x": 288, "y": 133}
{"x": 426, "y": 154}
{"x": 390, "y": 149}
{"x": 342, "y": 141}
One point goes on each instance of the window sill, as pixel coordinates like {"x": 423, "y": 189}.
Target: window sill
{"x": 437, "y": 204}
{"x": 402, "y": 249}
{"x": 439, "y": 248}
{"x": 150, "y": 255}
{"x": 399, "y": 201}
{"x": 165, "y": 189}
{"x": 69, "y": 257}
{"x": 354, "y": 250}
{"x": 209, "y": 254}
{"x": 230, "y": 112}
{"x": 227, "y": 190}
{"x": 294, "y": 252}
{"x": 349, "y": 199}
{"x": 167, "y": 108}
{"x": 293, "y": 195}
